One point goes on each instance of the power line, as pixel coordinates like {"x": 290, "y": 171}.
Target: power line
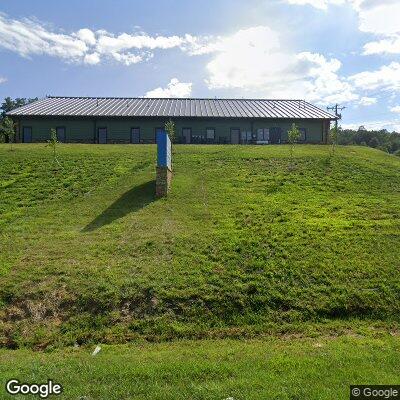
{"x": 336, "y": 108}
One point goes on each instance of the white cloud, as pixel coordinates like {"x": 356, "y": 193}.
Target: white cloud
{"x": 2, "y": 79}
{"x": 29, "y": 37}
{"x": 379, "y": 17}
{"x": 395, "y": 109}
{"x": 385, "y": 78}
{"x": 254, "y": 60}
{"x": 320, "y": 4}
{"x": 389, "y": 45}
{"x": 92, "y": 59}
{"x": 173, "y": 89}
{"x": 87, "y": 36}
{"x": 367, "y": 101}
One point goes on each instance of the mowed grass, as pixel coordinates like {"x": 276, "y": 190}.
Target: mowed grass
{"x": 281, "y": 369}
{"x": 246, "y": 243}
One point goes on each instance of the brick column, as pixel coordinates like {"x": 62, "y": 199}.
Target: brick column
{"x": 163, "y": 181}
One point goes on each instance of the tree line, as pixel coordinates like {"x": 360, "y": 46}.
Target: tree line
{"x": 378, "y": 139}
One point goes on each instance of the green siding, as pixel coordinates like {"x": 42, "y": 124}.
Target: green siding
{"x": 118, "y": 130}
{"x": 77, "y": 130}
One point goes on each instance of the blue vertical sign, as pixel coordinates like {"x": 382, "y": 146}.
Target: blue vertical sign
{"x": 163, "y": 150}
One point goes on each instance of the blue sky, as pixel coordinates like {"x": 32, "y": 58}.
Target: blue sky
{"x": 323, "y": 51}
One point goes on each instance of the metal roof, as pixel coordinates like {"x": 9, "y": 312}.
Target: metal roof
{"x": 175, "y": 107}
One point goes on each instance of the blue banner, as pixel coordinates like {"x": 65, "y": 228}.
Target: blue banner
{"x": 163, "y": 150}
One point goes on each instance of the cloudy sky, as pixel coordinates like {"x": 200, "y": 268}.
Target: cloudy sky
{"x": 323, "y": 51}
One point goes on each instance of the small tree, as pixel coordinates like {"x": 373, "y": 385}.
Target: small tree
{"x": 53, "y": 144}
{"x": 7, "y": 130}
{"x": 293, "y": 136}
{"x": 170, "y": 129}
{"x": 333, "y": 138}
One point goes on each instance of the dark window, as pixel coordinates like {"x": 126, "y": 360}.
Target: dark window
{"x": 275, "y": 135}
{"x": 60, "y": 132}
{"x": 210, "y": 135}
{"x": 102, "y": 135}
{"x": 135, "y": 135}
{"x": 27, "y": 134}
{"x": 263, "y": 135}
{"x": 186, "y": 135}
{"x": 303, "y": 134}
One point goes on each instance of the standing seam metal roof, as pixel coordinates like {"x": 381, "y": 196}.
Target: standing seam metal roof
{"x": 175, "y": 107}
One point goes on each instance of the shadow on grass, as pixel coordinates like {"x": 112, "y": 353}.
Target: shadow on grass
{"x": 131, "y": 201}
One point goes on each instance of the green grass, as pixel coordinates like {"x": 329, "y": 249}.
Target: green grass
{"x": 244, "y": 245}
{"x": 281, "y": 369}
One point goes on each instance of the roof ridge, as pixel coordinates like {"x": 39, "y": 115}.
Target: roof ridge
{"x": 173, "y": 98}
{"x": 85, "y": 106}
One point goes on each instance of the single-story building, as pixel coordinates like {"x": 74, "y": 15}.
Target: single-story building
{"x": 137, "y": 120}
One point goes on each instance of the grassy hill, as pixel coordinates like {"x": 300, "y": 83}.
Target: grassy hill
{"x": 245, "y": 244}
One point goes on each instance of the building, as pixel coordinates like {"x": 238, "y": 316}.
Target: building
{"x": 137, "y": 120}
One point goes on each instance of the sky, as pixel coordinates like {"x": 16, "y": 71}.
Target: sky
{"x": 322, "y": 51}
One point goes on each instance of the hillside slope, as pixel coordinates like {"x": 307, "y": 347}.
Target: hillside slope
{"x": 243, "y": 244}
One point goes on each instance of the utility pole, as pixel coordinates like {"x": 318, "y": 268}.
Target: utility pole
{"x": 336, "y": 108}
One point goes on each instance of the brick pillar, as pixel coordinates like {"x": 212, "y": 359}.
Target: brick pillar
{"x": 163, "y": 181}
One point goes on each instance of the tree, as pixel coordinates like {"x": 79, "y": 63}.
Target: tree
{"x": 374, "y": 142}
{"x": 7, "y": 130}
{"x": 293, "y": 136}
{"x": 10, "y": 104}
{"x": 53, "y": 144}
{"x": 334, "y": 138}
{"x": 170, "y": 129}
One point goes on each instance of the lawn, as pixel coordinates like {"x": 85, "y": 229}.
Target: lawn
{"x": 247, "y": 244}
{"x": 280, "y": 369}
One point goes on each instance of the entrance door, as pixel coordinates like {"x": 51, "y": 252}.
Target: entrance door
{"x": 235, "y": 135}
{"x": 275, "y": 135}
{"x": 27, "y": 134}
{"x": 135, "y": 135}
{"x": 102, "y": 135}
{"x": 187, "y": 135}
{"x": 60, "y": 131}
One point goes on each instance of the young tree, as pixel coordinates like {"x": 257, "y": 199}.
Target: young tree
{"x": 53, "y": 144}
{"x": 7, "y": 130}
{"x": 293, "y": 136}
{"x": 170, "y": 129}
{"x": 334, "y": 138}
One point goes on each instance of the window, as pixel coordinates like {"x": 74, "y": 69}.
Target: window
{"x": 210, "y": 135}
{"x": 135, "y": 135}
{"x": 263, "y": 135}
{"x": 60, "y": 132}
{"x": 302, "y": 134}
{"x": 275, "y": 135}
